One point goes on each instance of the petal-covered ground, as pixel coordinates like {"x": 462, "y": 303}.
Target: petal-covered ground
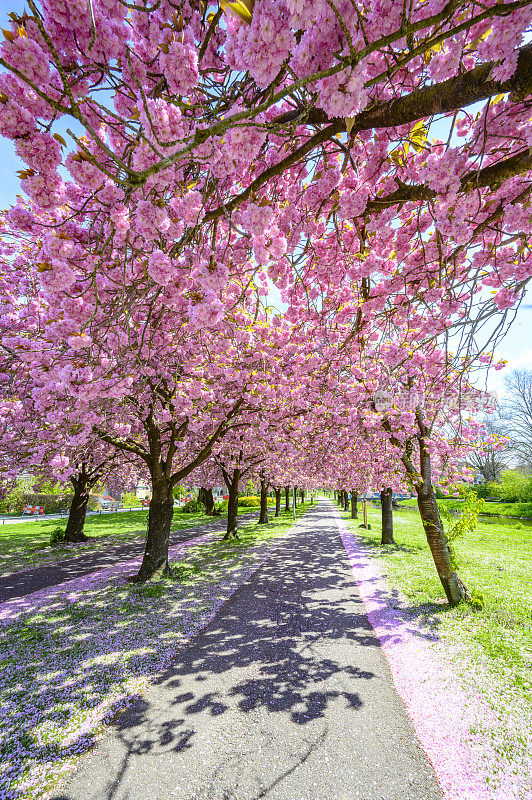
{"x": 74, "y": 655}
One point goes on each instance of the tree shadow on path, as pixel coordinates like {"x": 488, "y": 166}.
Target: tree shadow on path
{"x": 288, "y": 673}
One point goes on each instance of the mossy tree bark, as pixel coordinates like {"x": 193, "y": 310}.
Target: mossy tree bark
{"x": 387, "y": 516}
{"x": 455, "y": 590}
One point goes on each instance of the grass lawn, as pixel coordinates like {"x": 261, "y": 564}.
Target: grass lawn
{"x": 489, "y": 509}
{"x": 27, "y": 544}
{"x": 490, "y": 647}
{"x": 71, "y": 663}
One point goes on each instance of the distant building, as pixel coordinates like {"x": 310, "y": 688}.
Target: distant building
{"x": 143, "y": 491}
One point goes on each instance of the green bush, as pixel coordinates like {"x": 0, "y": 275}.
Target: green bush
{"x": 57, "y": 536}
{"x": 513, "y": 487}
{"x": 221, "y": 508}
{"x": 15, "y": 501}
{"x": 193, "y": 507}
{"x": 249, "y": 501}
{"x": 12, "y": 503}
{"x": 130, "y": 500}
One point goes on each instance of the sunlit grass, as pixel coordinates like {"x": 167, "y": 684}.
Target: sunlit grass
{"x": 27, "y": 544}
{"x": 490, "y": 646}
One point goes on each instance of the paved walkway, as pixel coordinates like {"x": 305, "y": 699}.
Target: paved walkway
{"x": 286, "y": 695}
{"x": 34, "y": 579}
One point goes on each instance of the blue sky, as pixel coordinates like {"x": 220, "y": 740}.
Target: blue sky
{"x": 516, "y": 348}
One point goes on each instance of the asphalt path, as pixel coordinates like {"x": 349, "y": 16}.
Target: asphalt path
{"x": 286, "y": 695}
{"x": 31, "y": 580}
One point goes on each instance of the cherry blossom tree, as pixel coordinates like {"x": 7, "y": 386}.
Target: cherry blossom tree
{"x": 278, "y": 135}
{"x": 177, "y": 167}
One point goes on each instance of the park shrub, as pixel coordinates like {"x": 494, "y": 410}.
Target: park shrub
{"x": 483, "y": 490}
{"x": 249, "y": 501}
{"x": 14, "y": 502}
{"x": 513, "y": 487}
{"x": 193, "y": 507}
{"x": 57, "y": 536}
{"x": 52, "y": 503}
{"x": 130, "y": 500}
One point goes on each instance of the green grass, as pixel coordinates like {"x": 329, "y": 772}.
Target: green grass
{"x": 489, "y": 509}
{"x": 492, "y": 645}
{"x": 27, "y": 544}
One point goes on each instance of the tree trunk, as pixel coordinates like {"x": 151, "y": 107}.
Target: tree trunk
{"x": 232, "y": 481}
{"x": 263, "y": 518}
{"x": 78, "y": 510}
{"x": 294, "y": 496}
{"x": 206, "y": 497}
{"x": 302, "y": 495}
{"x": 155, "y": 560}
{"x": 346, "y": 500}
{"x": 387, "y": 517}
{"x": 354, "y": 508}
{"x": 277, "y": 502}
{"x": 455, "y": 589}
{"x": 287, "y": 498}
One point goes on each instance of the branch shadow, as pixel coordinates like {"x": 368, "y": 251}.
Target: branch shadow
{"x": 282, "y": 646}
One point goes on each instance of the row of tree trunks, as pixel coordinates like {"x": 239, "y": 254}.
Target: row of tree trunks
{"x": 343, "y": 498}
{"x": 349, "y": 502}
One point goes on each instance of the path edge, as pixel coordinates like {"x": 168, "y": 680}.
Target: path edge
{"x": 441, "y": 712}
